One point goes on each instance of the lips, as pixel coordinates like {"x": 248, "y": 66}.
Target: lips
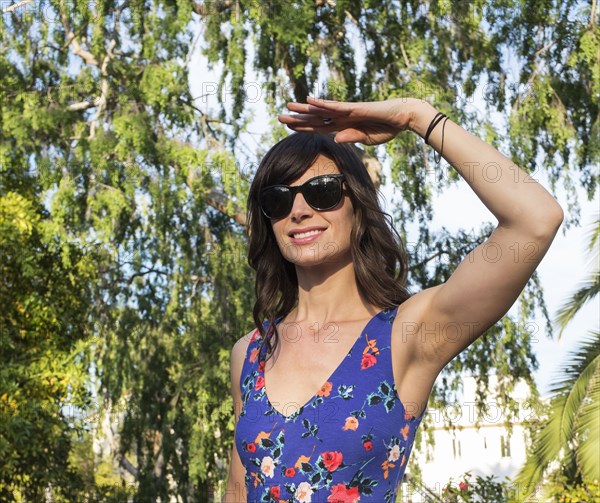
{"x": 308, "y": 235}
{"x": 307, "y": 232}
{"x": 302, "y": 235}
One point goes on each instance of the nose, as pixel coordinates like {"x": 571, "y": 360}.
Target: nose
{"x": 300, "y": 208}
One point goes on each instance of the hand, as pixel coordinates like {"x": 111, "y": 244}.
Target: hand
{"x": 370, "y": 122}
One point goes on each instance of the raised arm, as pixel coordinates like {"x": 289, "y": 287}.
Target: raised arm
{"x": 490, "y": 278}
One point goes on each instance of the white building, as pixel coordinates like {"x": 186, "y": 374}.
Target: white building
{"x": 484, "y": 449}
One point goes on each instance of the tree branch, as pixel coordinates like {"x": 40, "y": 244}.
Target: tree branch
{"x": 219, "y": 202}
{"x": 544, "y": 49}
{"x": 405, "y": 56}
{"x": 215, "y": 6}
{"x": 103, "y": 88}
{"x": 128, "y": 465}
{"x": 16, "y": 6}
{"x": 147, "y": 271}
{"x": 87, "y": 56}
{"x": 351, "y": 17}
{"x": 83, "y": 105}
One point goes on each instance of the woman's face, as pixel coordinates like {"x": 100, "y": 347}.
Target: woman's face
{"x": 308, "y": 237}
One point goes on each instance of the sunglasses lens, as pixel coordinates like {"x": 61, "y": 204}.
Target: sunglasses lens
{"x": 323, "y": 193}
{"x": 276, "y": 202}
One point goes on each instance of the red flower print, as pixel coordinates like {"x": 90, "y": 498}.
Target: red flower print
{"x": 408, "y": 416}
{"x": 332, "y": 460}
{"x": 325, "y": 389}
{"x": 275, "y": 492}
{"x": 341, "y": 494}
{"x": 253, "y": 355}
{"x": 368, "y": 445}
{"x": 367, "y": 361}
{"x": 404, "y": 431}
{"x": 260, "y": 383}
{"x": 261, "y": 366}
{"x": 463, "y": 486}
{"x": 290, "y": 472}
{"x": 251, "y": 447}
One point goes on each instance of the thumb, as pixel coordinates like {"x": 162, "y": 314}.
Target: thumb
{"x": 350, "y": 135}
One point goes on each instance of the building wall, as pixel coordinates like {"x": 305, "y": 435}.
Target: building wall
{"x": 484, "y": 449}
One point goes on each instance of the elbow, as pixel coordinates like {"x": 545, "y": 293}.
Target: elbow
{"x": 556, "y": 216}
{"x": 549, "y": 223}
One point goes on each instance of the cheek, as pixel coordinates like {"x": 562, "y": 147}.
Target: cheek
{"x": 277, "y": 233}
{"x": 288, "y": 251}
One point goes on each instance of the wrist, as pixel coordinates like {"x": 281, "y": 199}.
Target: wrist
{"x": 421, "y": 113}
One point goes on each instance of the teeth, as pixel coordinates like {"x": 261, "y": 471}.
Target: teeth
{"x": 309, "y": 233}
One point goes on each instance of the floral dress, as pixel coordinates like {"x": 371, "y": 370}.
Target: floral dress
{"x": 350, "y": 442}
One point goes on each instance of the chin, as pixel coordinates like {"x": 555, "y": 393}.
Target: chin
{"x": 312, "y": 254}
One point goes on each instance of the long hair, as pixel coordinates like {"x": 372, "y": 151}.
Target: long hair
{"x": 378, "y": 253}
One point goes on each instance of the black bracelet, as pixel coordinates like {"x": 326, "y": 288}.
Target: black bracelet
{"x": 437, "y": 161}
{"x": 436, "y": 120}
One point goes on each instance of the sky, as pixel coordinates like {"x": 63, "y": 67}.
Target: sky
{"x": 563, "y": 269}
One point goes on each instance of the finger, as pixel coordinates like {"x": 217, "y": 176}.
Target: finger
{"x": 310, "y": 129}
{"x": 313, "y": 129}
{"x": 330, "y": 105}
{"x": 303, "y": 120}
{"x": 305, "y": 108}
{"x": 351, "y": 135}
{"x": 321, "y": 123}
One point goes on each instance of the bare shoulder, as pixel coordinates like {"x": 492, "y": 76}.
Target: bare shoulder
{"x": 238, "y": 354}
{"x": 241, "y": 346}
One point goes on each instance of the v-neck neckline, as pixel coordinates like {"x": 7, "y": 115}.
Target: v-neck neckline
{"x": 328, "y": 379}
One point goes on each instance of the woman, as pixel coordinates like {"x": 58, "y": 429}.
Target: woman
{"x": 330, "y": 388}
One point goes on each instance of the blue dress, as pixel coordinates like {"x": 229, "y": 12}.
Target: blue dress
{"x": 349, "y": 443}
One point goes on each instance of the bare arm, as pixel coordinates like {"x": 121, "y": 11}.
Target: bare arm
{"x": 490, "y": 278}
{"x": 488, "y": 281}
{"x": 235, "y": 491}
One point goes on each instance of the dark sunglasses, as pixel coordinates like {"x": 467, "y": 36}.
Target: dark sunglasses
{"x": 321, "y": 193}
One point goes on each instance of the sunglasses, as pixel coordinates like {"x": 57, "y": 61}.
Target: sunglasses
{"x": 321, "y": 193}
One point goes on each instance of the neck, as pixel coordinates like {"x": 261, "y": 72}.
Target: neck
{"x": 328, "y": 293}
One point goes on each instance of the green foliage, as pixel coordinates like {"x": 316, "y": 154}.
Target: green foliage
{"x": 570, "y": 434}
{"x": 477, "y": 490}
{"x": 562, "y": 489}
{"x": 45, "y": 296}
{"x": 590, "y": 289}
{"x": 121, "y": 216}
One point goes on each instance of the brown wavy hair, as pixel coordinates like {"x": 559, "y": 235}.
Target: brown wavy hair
{"x": 378, "y": 253}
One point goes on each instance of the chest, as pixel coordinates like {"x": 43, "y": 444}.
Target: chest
{"x": 305, "y": 369}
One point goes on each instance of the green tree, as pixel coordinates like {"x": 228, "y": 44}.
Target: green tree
{"x": 45, "y": 295}
{"x": 570, "y": 435}
{"x": 101, "y": 131}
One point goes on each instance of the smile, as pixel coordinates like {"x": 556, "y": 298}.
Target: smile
{"x": 306, "y": 234}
